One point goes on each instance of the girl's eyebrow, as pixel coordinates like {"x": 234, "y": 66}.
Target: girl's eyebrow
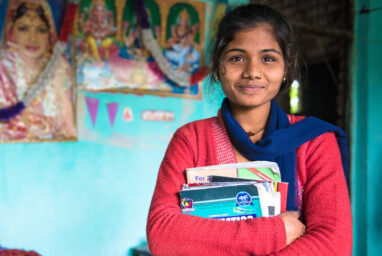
{"x": 272, "y": 50}
{"x": 243, "y": 51}
{"x": 234, "y": 50}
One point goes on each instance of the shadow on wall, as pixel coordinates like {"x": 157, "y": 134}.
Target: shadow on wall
{"x": 140, "y": 250}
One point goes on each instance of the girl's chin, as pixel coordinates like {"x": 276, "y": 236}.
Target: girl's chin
{"x": 245, "y": 103}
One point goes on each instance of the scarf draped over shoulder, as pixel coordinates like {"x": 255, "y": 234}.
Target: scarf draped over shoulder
{"x": 280, "y": 142}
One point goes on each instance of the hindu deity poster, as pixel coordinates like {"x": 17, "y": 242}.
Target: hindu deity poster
{"x": 140, "y": 46}
{"x": 36, "y": 88}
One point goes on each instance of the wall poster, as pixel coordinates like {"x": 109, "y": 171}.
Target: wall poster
{"x": 112, "y": 55}
{"x": 36, "y": 88}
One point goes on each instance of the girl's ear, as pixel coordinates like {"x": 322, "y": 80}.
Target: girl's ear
{"x": 221, "y": 70}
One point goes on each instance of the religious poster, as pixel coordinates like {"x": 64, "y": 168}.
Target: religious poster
{"x": 36, "y": 86}
{"x": 140, "y": 46}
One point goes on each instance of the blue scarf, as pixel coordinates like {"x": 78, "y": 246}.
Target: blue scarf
{"x": 280, "y": 141}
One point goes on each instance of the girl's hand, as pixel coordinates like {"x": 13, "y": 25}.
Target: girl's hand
{"x": 293, "y": 226}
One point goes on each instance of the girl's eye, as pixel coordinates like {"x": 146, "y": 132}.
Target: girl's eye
{"x": 268, "y": 59}
{"x": 236, "y": 59}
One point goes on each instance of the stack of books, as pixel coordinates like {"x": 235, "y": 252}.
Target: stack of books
{"x": 234, "y": 191}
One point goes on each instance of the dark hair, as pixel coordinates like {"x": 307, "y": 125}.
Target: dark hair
{"x": 247, "y": 17}
{"x": 23, "y": 9}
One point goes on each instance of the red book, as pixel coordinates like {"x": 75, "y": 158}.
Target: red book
{"x": 282, "y": 187}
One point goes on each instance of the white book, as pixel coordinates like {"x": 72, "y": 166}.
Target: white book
{"x": 256, "y": 170}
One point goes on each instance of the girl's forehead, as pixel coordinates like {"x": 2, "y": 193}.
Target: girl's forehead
{"x": 262, "y": 27}
{"x": 258, "y": 35}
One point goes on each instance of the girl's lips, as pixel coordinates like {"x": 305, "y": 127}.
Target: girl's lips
{"x": 32, "y": 48}
{"x": 250, "y": 88}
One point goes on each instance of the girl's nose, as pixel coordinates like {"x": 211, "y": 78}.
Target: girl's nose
{"x": 252, "y": 70}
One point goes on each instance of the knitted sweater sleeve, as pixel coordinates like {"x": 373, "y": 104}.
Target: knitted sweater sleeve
{"x": 326, "y": 207}
{"x": 170, "y": 232}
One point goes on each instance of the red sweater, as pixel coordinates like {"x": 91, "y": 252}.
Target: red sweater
{"x": 325, "y": 201}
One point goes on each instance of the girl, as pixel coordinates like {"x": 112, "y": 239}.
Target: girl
{"x": 253, "y": 59}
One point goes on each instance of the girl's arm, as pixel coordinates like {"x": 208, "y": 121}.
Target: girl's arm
{"x": 326, "y": 206}
{"x": 170, "y": 232}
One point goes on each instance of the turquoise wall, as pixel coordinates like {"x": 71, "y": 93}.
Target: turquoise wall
{"x": 366, "y": 129}
{"x": 89, "y": 197}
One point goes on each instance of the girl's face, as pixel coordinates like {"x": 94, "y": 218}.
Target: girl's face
{"x": 31, "y": 35}
{"x": 252, "y": 67}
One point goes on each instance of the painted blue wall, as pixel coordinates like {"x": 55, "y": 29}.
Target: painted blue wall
{"x": 89, "y": 197}
{"x": 366, "y": 129}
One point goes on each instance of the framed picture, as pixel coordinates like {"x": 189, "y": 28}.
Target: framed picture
{"x": 111, "y": 54}
{"x": 31, "y": 108}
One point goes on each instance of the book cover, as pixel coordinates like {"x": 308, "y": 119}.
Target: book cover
{"x": 227, "y": 202}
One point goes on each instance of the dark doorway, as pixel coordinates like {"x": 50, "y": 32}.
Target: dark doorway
{"x": 319, "y": 92}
